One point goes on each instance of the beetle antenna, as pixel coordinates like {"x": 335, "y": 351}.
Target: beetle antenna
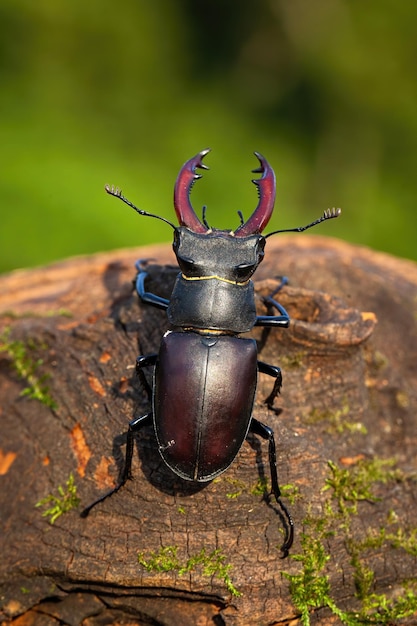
{"x": 117, "y": 193}
{"x": 204, "y": 217}
{"x": 242, "y": 221}
{"x": 328, "y": 214}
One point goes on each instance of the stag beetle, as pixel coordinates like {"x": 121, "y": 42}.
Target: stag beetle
{"x": 205, "y": 374}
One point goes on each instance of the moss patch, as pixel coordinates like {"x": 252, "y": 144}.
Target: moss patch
{"x": 27, "y": 368}
{"x": 211, "y": 564}
{"x": 64, "y": 502}
{"x": 346, "y": 489}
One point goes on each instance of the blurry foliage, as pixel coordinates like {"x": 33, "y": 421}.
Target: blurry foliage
{"x": 97, "y": 92}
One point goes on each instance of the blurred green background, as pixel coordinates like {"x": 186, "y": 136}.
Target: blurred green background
{"x": 101, "y": 92}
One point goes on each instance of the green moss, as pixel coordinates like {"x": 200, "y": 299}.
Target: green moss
{"x": 238, "y": 486}
{"x": 66, "y": 501}
{"x": 351, "y": 485}
{"x": 165, "y": 560}
{"x": 290, "y": 492}
{"x": 260, "y": 488}
{"x": 337, "y": 421}
{"x": 212, "y": 564}
{"x": 310, "y": 588}
{"x": 27, "y": 368}
{"x": 406, "y": 541}
{"x": 380, "y": 609}
{"x": 363, "y": 576}
{"x": 30, "y": 314}
{"x": 379, "y": 360}
{"x": 402, "y": 398}
{"x": 292, "y": 361}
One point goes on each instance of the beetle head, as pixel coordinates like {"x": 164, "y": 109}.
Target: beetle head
{"x": 217, "y": 254}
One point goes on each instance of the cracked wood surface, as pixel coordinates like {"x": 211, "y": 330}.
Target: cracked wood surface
{"x": 351, "y": 309}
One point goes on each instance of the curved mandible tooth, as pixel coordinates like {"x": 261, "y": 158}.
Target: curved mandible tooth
{"x": 186, "y": 179}
{"x": 266, "y": 190}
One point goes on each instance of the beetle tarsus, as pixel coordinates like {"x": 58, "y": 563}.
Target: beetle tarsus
{"x": 289, "y": 540}
{"x": 85, "y": 512}
{"x": 268, "y": 434}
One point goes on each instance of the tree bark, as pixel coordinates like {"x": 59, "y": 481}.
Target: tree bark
{"x": 349, "y": 363}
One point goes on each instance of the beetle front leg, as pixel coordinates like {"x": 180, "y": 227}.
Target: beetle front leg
{"x": 147, "y": 296}
{"x": 267, "y": 433}
{"x": 282, "y": 320}
{"x": 126, "y": 473}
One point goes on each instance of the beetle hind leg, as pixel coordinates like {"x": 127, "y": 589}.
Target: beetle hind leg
{"x": 268, "y": 434}
{"x": 126, "y": 473}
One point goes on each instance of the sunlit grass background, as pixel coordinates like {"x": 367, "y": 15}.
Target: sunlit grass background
{"x": 102, "y": 92}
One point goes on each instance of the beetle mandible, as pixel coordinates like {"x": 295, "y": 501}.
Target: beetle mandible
{"x": 205, "y": 373}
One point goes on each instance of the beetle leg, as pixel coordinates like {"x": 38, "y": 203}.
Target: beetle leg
{"x": 282, "y": 320}
{"x": 283, "y": 282}
{"x": 147, "y": 296}
{"x": 135, "y": 425}
{"x": 267, "y": 433}
{"x": 271, "y": 370}
{"x": 145, "y": 361}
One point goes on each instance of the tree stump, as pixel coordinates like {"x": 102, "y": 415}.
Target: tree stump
{"x": 165, "y": 552}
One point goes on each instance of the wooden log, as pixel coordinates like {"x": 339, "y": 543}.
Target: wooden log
{"x": 349, "y": 397}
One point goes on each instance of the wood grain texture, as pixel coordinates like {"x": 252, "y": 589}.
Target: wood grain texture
{"x": 352, "y": 343}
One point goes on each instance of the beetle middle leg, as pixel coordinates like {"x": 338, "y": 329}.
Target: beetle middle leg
{"x": 275, "y": 371}
{"x": 141, "y": 362}
{"x": 267, "y": 433}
